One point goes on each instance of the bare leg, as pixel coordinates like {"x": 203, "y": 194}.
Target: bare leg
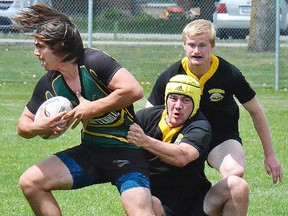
{"x": 228, "y": 158}
{"x": 38, "y": 181}
{"x": 137, "y": 201}
{"x": 228, "y": 197}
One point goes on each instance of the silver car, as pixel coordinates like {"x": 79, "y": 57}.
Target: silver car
{"x": 10, "y": 8}
{"x": 232, "y": 18}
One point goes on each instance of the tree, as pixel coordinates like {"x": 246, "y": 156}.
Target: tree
{"x": 262, "y": 26}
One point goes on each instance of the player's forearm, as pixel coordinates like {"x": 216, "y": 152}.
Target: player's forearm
{"x": 169, "y": 153}
{"x": 26, "y": 127}
{"x": 264, "y": 133}
{"x": 115, "y": 101}
{"x": 26, "y": 130}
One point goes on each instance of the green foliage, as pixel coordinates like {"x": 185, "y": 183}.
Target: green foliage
{"x": 112, "y": 14}
{"x": 142, "y": 23}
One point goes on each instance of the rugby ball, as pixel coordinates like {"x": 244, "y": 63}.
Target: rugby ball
{"x": 54, "y": 106}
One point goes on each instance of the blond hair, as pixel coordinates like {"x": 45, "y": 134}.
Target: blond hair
{"x": 197, "y": 27}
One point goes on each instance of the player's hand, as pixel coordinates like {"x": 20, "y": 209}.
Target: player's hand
{"x": 51, "y": 125}
{"x": 79, "y": 113}
{"x": 273, "y": 167}
{"x": 136, "y": 135}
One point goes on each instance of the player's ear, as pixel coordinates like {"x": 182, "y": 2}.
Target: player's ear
{"x": 184, "y": 46}
{"x": 213, "y": 48}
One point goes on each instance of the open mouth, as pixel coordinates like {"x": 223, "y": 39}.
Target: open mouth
{"x": 42, "y": 61}
{"x": 196, "y": 57}
{"x": 176, "y": 115}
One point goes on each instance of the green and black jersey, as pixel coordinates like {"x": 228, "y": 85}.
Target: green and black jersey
{"x": 220, "y": 85}
{"x": 96, "y": 69}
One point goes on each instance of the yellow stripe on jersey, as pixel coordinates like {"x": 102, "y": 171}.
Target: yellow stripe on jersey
{"x": 206, "y": 76}
{"x": 121, "y": 139}
{"x": 165, "y": 129}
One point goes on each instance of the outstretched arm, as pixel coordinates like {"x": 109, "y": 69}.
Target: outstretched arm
{"x": 258, "y": 116}
{"x": 176, "y": 155}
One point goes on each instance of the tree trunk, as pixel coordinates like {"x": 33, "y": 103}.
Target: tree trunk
{"x": 262, "y": 26}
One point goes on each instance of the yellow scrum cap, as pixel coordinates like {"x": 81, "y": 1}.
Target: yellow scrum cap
{"x": 185, "y": 85}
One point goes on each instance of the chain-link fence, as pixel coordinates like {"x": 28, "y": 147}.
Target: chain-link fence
{"x": 121, "y": 27}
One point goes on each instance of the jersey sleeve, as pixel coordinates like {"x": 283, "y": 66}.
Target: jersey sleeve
{"x": 148, "y": 118}
{"x": 198, "y": 134}
{"x": 39, "y": 92}
{"x": 104, "y": 65}
{"x": 242, "y": 89}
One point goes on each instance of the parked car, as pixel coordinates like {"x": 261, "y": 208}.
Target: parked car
{"x": 10, "y": 8}
{"x": 232, "y": 18}
{"x": 161, "y": 9}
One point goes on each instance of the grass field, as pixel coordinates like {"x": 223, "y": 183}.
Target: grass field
{"x": 19, "y": 65}
{"x": 17, "y": 154}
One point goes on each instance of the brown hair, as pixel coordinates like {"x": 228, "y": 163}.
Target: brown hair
{"x": 53, "y": 28}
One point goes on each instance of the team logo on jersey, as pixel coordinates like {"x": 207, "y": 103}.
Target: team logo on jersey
{"x": 179, "y": 138}
{"x": 114, "y": 118}
{"x": 216, "y": 94}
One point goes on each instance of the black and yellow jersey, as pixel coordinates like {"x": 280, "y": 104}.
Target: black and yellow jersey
{"x": 195, "y": 132}
{"x": 96, "y": 69}
{"x": 220, "y": 85}
{"x": 188, "y": 184}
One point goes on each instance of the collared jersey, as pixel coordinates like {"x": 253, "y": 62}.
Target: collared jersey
{"x": 179, "y": 188}
{"x": 96, "y": 70}
{"x": 220, "y": 85}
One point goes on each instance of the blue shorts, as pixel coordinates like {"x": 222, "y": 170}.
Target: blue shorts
{"x": 125, "y": 168}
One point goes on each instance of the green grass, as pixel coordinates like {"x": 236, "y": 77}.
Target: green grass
{"x": 19, "y": 65}
{"x": 20, "y": 70}
{"x": 17, "y": 154}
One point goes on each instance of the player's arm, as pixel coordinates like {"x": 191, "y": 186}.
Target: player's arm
{"x": 124, "y": 86}
{"x": 28, "y": 128}
{"x": 176, "y": 155}
{"x": 261, "y": 125}
{"x": 125, "y": 91}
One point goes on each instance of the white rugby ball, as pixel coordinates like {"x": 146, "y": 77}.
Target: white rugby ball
{"x": 54, "y": 106}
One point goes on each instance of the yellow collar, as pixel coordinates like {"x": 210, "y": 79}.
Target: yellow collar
{"x": 207, "y": 75}
{"x": 167, "y": 132}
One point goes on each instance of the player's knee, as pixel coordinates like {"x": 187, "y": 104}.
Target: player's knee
{"x": 239, "y": 187}
{"x": 235, "y": 170}
{"x": 157, "y": 206}
{"x": 27, "y": 183}
{"x": 137, "y": 201}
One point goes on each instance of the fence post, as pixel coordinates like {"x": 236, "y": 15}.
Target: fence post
{"x": 277, "y": 48}
{"x": 90, "y": 22}
{"x": 115, "y": 29}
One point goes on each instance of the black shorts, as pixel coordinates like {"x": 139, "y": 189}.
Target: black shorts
{"x": 123, "y": 167}
{"x": 181, "y": 195}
